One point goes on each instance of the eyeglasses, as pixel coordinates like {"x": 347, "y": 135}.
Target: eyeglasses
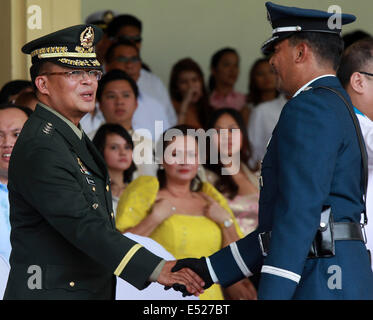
{"x": 127, "y": 60}
{"x": 135, "y": 39}
{"x": 77, "y": 75}
{"x": 366, "y": 73}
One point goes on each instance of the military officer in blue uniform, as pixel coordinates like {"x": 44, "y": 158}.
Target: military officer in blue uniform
{"x": 63, "y": 236}
{"x": 309, "y": 243}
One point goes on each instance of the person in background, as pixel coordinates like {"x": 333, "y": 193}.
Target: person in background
{"x": 185, "y": 216}
{"x": 262, "y": 121}
{"x": 262, "y": 83}
{"x": 356, "y": 75}
{"x": 116, "y": 146}
{"x": 92, "y": 120}
{"x": 124, "y": 55}
{"x": 12, "y": 89}
{"x": 27, "y": 99}
{"x": 126, "y": 27}
{"x": 353, "y": 36}
{"x": 102, "y": 19}
{"x": 265, "y": 103}
{"x": 240, "y": 188}
{"x": 117, "y": 94}
{"x": 12, "y": 119}
{"x": 224, "y": 68}
{"x": 188, "y": 93}
{"x": 129, "y": 28}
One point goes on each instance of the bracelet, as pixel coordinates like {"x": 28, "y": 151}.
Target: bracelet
{"x": 227, "y": 223}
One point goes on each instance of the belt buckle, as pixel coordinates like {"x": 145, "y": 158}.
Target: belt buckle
{"x": 260, "y": 237}
{"x": 362, "y": 225}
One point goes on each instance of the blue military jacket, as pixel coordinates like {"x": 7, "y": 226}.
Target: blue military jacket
{"x": 62, "y": 225}
{"x": 313, "y": 160}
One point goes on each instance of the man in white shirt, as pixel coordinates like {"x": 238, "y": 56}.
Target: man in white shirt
{"x": 262, "y": 121}
{"x": 356, "y": 75}
{"x": 12, "y": 119}
{"x": 153, "y": 86}
{"x": 125, "y": 55}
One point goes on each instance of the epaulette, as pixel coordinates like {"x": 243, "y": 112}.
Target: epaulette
{"x": 48, "y": 128}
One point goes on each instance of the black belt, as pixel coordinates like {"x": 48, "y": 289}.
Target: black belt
{"x": 346, "y": 231}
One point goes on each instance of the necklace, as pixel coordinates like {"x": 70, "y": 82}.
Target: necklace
{"x": 178, "y": 195}
{"x": 173, "y": 208}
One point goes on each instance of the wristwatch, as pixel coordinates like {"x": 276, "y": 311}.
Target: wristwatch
{"x": 227, "y": 223}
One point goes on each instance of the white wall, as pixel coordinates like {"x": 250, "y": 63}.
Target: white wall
{"x": 174, "y": 29}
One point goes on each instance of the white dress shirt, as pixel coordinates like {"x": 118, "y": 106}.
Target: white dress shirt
{"x": 366, "y": 126}
{"x": 263, "y": 120}
{"x": 148, "y": 111}
{"x": 152, "y": 85}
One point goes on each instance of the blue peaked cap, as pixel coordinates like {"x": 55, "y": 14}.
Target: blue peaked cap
{"x": 286, "y": 21}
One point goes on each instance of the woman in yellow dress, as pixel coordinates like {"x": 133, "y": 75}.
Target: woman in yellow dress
{"x": 187, "y": 217}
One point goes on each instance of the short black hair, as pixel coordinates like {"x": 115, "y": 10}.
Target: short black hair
{"x": 327, "y": 47}
{"x": 122, "y": 42}
{"x": 114, "y": 75}
{"x": 13, "y": 87}
{"x": 354, "y": 59}
{"x": 354, "y": 36}
{"x": 99, "y": 141}
{"x": 215, "y": 59}
{"x": 122, "y": 21}
{"x": 36, "y": 69}
{"x": 27, "y": 111}
{"x": 254, "y": 93}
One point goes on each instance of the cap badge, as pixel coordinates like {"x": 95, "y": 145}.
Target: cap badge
{"x": 87, "y": 37}
{"x": 108, "y": 16}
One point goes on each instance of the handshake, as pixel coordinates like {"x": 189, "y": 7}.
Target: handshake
{"x": 189, "y": 276}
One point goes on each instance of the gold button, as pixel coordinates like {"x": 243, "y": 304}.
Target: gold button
{"x": 72, "y": 284}
{"x": 95, "y": 206}
{"x": 94, "y": 189}
{"x": 112, "y": 215}
{"x": 107, "y": 188}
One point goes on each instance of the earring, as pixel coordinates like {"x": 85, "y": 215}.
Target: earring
{"x": 161, "y": 167}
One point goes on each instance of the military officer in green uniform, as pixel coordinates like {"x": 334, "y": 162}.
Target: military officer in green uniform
{"x": 64, "y": 241}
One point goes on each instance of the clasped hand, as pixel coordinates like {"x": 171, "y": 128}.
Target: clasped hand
{"x": 199, "y": 278}
{"x": 183, "y": 280}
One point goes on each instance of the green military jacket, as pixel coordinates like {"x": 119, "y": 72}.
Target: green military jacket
{"x": 64, "y": 241}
